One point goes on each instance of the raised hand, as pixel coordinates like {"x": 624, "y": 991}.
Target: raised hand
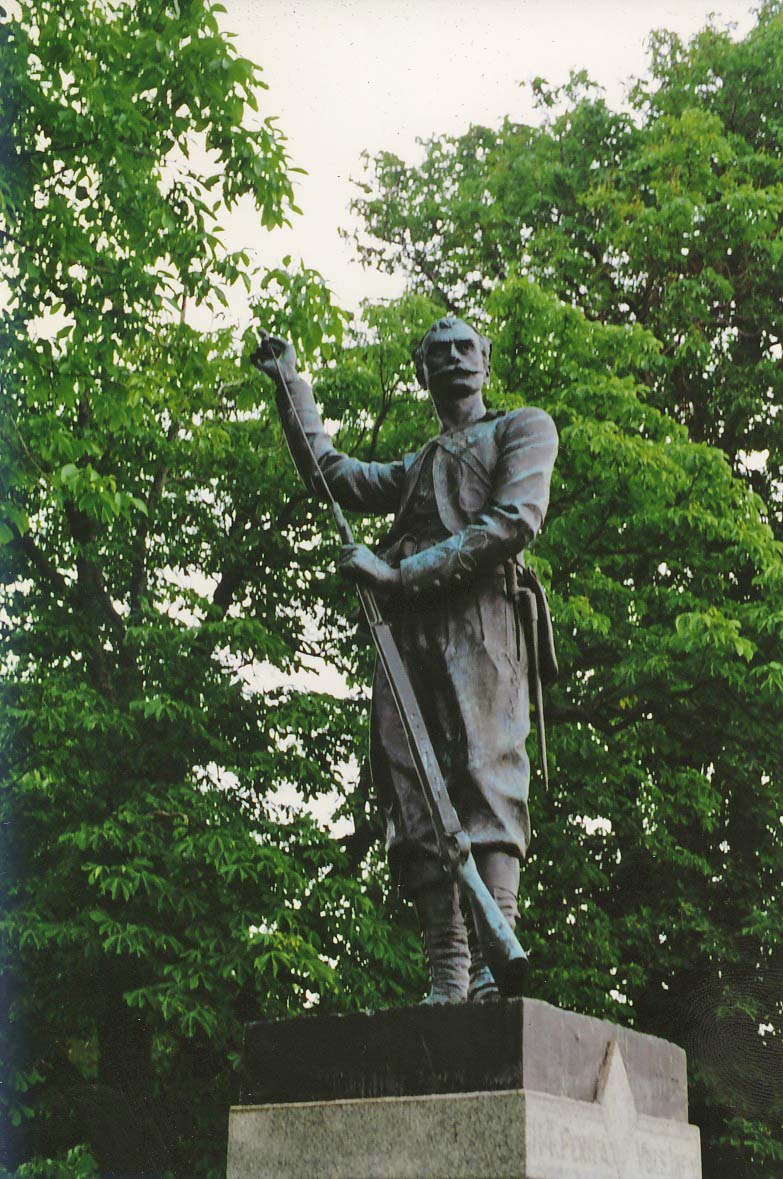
{"x": 270, "y": 347}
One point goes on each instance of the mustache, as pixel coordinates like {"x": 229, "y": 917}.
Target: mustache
{"x": 458, "y": 368}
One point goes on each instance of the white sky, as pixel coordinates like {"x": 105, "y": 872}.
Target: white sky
{"x": 345, "y": 75}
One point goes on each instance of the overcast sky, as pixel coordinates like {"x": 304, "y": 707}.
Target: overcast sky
{"x": 348, "y": 75}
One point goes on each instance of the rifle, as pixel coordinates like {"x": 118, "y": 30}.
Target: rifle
{"x": 503, "y": 954}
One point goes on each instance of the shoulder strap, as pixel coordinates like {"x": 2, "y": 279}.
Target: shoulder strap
{"x": 466, "y": 456}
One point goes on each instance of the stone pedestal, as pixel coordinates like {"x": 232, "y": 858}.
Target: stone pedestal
{"x": 518, "y": 1090}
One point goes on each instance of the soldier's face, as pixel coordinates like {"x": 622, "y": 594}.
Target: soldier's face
{"x": 453, "y": 363}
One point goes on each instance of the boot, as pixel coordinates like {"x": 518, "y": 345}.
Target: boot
{"x": 500, "y": 872}
{"x": 445, "y": 943}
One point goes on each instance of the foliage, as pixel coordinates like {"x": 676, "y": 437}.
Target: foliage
{"x": 666, "y": 213}
{"x": 654, "y": 879}
{"x": 77, "y": 1163}
{"x": 628, "y": 266}
{"x": 161, "y": 886}
{"x": 170, "y": 871}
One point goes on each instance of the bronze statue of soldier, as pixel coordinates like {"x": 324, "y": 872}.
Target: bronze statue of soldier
{"x": 465, "y": 508}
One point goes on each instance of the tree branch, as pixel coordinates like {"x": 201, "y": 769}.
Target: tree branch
{"x": 91, "y": 585}
{"x": 138, "y": 583}
{"x": 38, "y": 561}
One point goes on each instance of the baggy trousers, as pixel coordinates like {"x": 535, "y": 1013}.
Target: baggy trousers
{"x": 468, "y": 666}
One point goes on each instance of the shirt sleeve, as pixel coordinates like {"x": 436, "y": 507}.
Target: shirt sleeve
{"x": 512, "y": 516}
{"x": 358, "y": 486}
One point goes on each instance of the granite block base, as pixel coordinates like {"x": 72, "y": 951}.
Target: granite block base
{"x": 628, "y": 1120}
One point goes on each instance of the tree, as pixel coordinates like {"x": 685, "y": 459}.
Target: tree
{"x": 628, "y": 266}
{"x": 655, "y": 874}
{"x": 667, "y": 213}
{"x": 161, "y": 886}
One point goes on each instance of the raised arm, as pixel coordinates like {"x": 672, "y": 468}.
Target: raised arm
{"x": 512, "y": 516}
{"x": 356, "y": 485}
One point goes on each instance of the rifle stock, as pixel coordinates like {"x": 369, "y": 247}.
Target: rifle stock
{"x": 502, "y": 952}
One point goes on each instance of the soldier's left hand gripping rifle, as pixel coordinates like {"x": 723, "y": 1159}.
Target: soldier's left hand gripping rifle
{"x": 502, "y": 951}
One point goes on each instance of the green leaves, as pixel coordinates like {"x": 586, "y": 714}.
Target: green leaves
{"x": 710, "y": 628}
{"x": 297, "y": 305}
{"x": 667, "y": 216}
{"x": 152, "y": 587}
{"x": 629, "y": 265}
{"x": 76, "y": 1163}
{"x": 168, "y": 588}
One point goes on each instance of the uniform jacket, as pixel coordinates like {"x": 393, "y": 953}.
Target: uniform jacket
{"x": 491, "y": 484}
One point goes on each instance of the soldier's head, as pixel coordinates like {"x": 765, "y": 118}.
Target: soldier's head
{"x": 452, "y": 360}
